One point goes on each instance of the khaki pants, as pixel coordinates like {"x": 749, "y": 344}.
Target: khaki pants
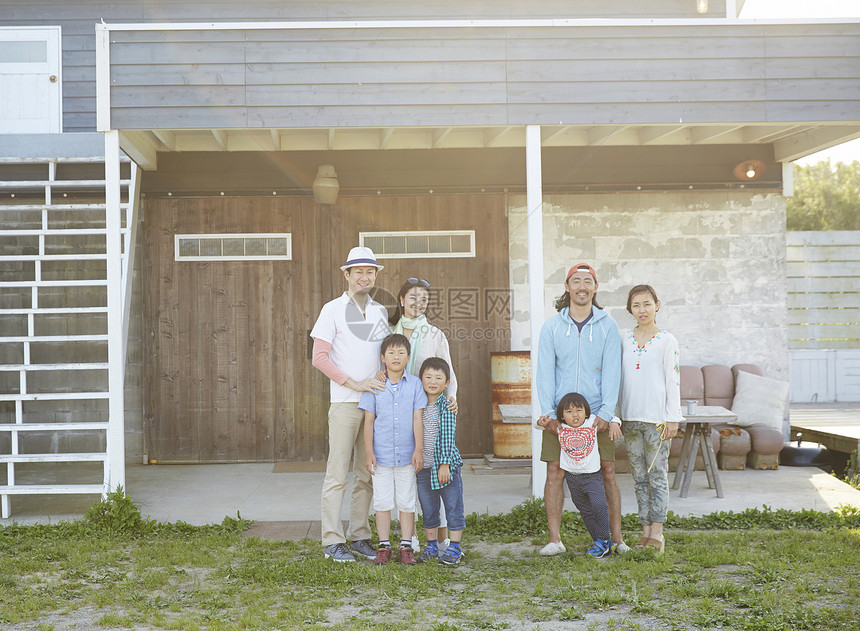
{"x": 345, "y": 442}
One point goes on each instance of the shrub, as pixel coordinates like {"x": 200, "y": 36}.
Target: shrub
{"x": 116, "y": 513}
{"x": 529, "y": 520}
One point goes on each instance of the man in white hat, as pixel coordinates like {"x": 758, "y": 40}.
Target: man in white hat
{"x": 347, "y": 338}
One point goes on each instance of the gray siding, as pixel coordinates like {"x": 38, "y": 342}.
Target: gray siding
{"x": 78, "y": 18}
{"x": 612, "y": 75}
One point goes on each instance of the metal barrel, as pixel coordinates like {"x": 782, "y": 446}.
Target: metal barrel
{"x": 511, "y": 377}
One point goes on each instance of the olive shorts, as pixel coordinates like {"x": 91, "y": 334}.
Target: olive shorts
{"x": 551, "y": 449}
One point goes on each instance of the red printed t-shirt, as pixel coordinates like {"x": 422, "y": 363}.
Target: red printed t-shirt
{"x": 579, "y": 447}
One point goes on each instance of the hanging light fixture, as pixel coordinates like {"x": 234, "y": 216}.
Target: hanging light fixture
{"x": 326, "y": 186}
{"x": 749, "y": 170}
{"x": 702, "y": 6}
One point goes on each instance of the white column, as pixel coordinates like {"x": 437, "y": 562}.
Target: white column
{"x": 115, "y": 464}
{"x": 788, "y": 179}
{"x": 534, "y": 206}
{"x": 732, "y": 10}
{"x": 102, "y": 78}
{"x": 131, "y": 225}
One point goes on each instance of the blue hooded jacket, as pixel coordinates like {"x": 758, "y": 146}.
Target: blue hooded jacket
{"x": 587, "y": 362}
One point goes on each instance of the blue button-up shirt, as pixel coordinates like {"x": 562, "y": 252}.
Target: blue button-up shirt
{"x": 393, "y": 437}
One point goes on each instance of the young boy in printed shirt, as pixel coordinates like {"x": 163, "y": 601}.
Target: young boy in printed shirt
{"x": 440, "y": 479}
{"x": 393, "y": 446}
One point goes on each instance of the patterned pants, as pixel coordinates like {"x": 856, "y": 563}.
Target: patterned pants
{"x": 589, "y": 496}
{"x": 644, "y": 447}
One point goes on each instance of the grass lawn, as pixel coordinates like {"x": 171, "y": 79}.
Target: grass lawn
{"x": 767, "y": 570}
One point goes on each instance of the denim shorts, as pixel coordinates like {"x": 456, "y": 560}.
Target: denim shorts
{"x": 450, "y": 495}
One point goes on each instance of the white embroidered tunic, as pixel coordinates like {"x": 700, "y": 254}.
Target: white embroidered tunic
{"x": 650, "y": 379}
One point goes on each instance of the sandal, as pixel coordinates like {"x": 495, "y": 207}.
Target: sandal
{"x": 642, "y": 543}
{"x": 657, "y": 545}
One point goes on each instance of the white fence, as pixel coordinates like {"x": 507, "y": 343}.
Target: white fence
{"x": 824, "y": 315}
{"x": 825, "y": 376}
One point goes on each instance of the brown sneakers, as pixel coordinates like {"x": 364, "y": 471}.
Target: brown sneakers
{"x": 382, "y": 556}
{"x": 406, "y": 556}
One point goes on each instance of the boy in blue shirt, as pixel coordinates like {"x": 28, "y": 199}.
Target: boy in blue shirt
{"x": 440, "y": 478}
{"x": 393, "y": 434}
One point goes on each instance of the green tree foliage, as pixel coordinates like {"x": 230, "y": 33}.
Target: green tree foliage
{"x": 826, "y": 197}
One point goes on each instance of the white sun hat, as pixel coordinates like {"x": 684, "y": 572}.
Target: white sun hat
{"x": 361, "y": 256}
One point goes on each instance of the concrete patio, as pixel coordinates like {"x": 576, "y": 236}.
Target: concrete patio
{"x": 201, "y": 494}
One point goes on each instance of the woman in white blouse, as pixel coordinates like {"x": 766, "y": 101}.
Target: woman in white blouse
{"x": 650, "y": 409}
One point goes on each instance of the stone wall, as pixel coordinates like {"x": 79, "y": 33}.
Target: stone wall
{"x": 716, "y": 259}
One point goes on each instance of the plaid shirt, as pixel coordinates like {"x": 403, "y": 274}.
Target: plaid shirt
{"x": 444, "y": 450}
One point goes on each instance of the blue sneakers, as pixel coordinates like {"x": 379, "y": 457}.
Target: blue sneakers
{"x": 601, "y": 548}
{"x": 430, "y": 553}
{"x": 451, "y": 556}
{"x": 364, "y": 548}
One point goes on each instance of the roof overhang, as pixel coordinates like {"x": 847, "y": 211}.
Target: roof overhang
{"x": 790, "y": 141}
{"x": 796, "y": 112}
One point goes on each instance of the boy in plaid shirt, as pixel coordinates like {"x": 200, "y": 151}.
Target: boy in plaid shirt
{"x": 441, "y": 478}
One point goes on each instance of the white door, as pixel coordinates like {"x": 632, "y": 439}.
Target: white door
{"x": 30, "y": 95}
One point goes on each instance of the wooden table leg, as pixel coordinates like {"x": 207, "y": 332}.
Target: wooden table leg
{"x": 706, "y": 442}
{"x": 682, "y": 460}
{"x": 711, "y": 465}
{"x": 691, "y": 462}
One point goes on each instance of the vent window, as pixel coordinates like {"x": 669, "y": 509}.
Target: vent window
{"x": 420, "y": 245}
{"x": 233, "y": 247}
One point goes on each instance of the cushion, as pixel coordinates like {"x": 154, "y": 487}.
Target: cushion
{"x": 692, "y": 386}
{"x": 719, "y": 385}
{"x": 759, "y": 401}
{"x": 766, "y": 441}
{"x": 751, "y": 368}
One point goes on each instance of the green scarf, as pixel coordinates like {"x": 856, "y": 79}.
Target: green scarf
{"x": 419, "y": 328}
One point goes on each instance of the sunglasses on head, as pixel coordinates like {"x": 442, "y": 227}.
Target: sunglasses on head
{"x": 418, "y": 281}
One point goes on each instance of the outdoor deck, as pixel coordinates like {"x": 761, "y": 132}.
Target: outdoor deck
{"x": 832, "y": 425}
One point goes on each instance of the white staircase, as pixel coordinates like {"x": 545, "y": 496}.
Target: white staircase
{"x": 54, "y": 338}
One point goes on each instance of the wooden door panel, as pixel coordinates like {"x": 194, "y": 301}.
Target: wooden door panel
{"x": 452, "y": 278}
{"x": 222, "y": 376}
{"x": 228, "y": 376}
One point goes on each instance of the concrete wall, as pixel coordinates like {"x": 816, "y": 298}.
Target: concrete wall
{"x": 716, "y": 259}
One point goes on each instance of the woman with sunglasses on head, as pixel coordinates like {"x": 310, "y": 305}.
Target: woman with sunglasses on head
{"x": 410, "y": 319}
{"x": 427, "y": 341}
